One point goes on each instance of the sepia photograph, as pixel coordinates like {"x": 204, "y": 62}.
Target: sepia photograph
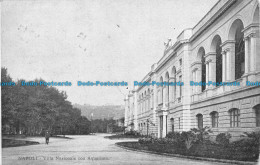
{"x": 130, "y": 82}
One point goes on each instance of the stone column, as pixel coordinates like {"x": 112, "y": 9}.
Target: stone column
{"x": 164, "y": 124}
{"x": 207, "y": 73}
{"x": 224, "y": 67}
{"x": 212, "y": 70}
{"x": 159, "y": 126}
{"x": 196, "y": 76}
{"x": 253, "y": 52}
{"x": 211, "y": 66}
{"x": 229, "y": 48}
{"x": 230, "y": 55}
{"x": 247, "y": 57}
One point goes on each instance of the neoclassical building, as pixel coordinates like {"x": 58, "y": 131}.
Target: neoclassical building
{"x": 224, "y": 46}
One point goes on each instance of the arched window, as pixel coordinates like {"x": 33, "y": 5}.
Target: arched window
{"x": 234, "y": 117}
{"x": 237, "y": 35}
{"x": 216, "y": 48}
{"x": 214, "y": 119}
{"x": 201, "y": 56}
{"x": 257, "y": 114}
{"x": 240, "y": 57}
{"x": 200, "y": 121}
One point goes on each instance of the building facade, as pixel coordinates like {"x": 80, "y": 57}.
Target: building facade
{"x": 223, "y": 47}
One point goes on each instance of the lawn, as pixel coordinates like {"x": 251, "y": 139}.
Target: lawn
{"x": 16, "y": 143}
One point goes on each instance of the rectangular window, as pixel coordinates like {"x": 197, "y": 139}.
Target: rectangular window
{"x": 213, "y": 122}
{"x": 172, "y": 122}
{"x": 200, "y": 121}
{"x": 214, "y": 119}
{"x": 234, "y": 118}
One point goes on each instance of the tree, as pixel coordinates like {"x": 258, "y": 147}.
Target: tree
{"x": 32, "y": 109}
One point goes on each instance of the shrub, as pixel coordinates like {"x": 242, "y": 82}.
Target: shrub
{"x": 162, "y": 141}
{"x": 255, "y": 136}
{"x": 189, "y": 138}
{"x": 132, "y": 133}
{"x": 202, "y": 134}
{"x": 145, "y": 140}
{"x": 248, "y": 146}
{"x": 223, "y": 139}
{"x": 175, "y": 136}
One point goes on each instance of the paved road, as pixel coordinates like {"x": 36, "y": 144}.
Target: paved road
{"x": 95, "y": 149}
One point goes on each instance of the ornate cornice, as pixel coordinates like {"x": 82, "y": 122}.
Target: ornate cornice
{"x": 212, "y": 19}
{"x": 210, "y": 54}
{"x": 196, "y": 63}
{"x": 250, "y": 31}
{"x": 227, "y": 42}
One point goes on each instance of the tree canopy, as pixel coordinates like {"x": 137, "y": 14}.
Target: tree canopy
{"x": 33, "y": 109}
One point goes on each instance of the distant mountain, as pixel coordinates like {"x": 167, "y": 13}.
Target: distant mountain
{"x": 100, "y": 112}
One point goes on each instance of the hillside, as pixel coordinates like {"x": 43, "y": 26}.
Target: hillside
{"x": 100, "y": 112}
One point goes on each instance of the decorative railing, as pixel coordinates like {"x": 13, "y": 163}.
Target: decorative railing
{"x": 220, "y": 90}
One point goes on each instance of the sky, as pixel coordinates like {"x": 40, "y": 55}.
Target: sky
{"x": 92, "y": 40}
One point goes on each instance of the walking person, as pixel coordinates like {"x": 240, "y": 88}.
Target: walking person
{"x": 47, "y": 137}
